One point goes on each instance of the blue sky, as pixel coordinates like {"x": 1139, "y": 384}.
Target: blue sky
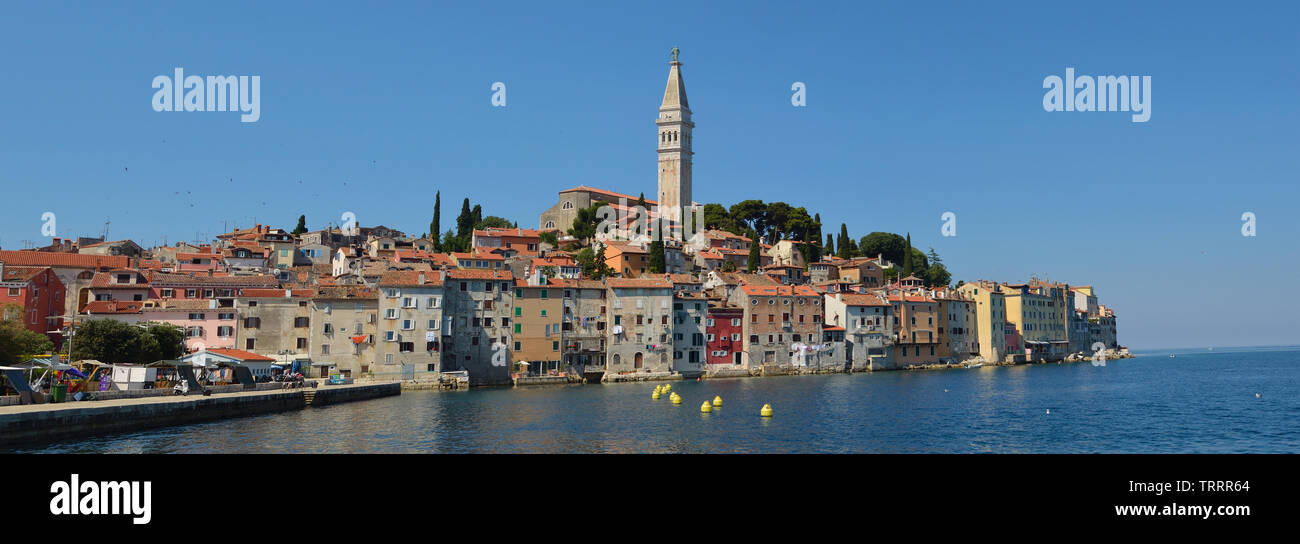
{"x": 912, "y": 110}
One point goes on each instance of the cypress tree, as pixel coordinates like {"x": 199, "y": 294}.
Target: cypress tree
{"x": 907, "y": 257}
{"x": 658, "y": 261}
{"x": 752, "y": 265}
{"x": 435, "y": 227}
{"x": 830, "y": 245}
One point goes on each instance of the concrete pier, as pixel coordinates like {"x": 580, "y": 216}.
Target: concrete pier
{"x": 36, "y": 423}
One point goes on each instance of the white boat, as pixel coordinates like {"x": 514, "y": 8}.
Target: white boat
{"x": 974, "y": 365}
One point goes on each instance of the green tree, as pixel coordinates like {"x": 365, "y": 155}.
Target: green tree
{"x": 891, "y": 247}
{"x": 906, "y": 258}
{"x": 750, "y": 214}
{"x": 435, "y": 226}
{"x": 168, "y": 340}
{"x": 476, "y": 216}
{"x": 549, "y": 237}
{"x": 728, "y": 266}
{"x": 658, "y": 262}
{"x": 936, "y": 274}
{"x": 716, "y": 217}
{"x": 17, "y": 343}
{"x": 464, "y": 226}
{"x": 585, "y": 223}
{"x": 450, "y": 242}
{"x": 777, "y": 217}
{"x": 754, "y": 261}
{"x": 830, "y": 245}
{"x": 592, "y": 261}
{"x": 493, "y": 222}
{"x": 641, "y": 214}
{"x": 846, "y": 249}
{"x": 302, "y": 226}
{"x": 108, "y": 341}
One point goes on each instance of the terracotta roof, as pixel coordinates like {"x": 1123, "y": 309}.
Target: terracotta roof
{"x": 109, "y": 243}
{"x": 239, "y": 354}
{"x": 479, "y": 253}
{"x": 63, "y": 260}
{"x": 276, "y": 293}
{"x": 624, "y": 247}
{"x": 826, "y": 327}
{"x": 643, "y": 283}
{"x": 478, "y": 274}
{"x": 584, "y": 188}
{"x": 494, "y": 232}
{"x": 113, "y": 307}
{"x": 22, "y": 273}
{"x": 345, "y": 291}
{"x": 411, "y": 278}
{"x": 862, "y": 300}
{"x": 181, "y": 304}
{"x": 778, "y": 290}
{"x": 577, "y": 284}
{"x": 103, "y": 280}
{"x": 204, "y": 279}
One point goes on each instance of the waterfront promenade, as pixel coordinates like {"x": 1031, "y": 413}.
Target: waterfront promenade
{"x": 69, "y": 420}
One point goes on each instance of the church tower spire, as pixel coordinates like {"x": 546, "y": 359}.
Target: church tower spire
{"x": 675, "y": 128}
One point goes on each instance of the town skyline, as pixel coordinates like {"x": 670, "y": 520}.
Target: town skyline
{"x": 323, "y": 146}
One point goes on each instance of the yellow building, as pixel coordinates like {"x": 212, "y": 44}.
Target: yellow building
{"x": 535, "y": 327}
{"x": 628, "y": 260}
{"x": 990, "y": 318}
{"x": 1040, "y": 316}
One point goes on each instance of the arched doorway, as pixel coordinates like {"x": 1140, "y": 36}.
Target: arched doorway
{"x": 617, "y": 359}
{"x": 637, "y": 361}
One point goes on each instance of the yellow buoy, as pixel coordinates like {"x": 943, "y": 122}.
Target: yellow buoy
{"x": 706, "y": 407}
{"x": 717, "y": 401}
{"x": 676, "y": 399}
{"x": 667, "y": 388}
{"x": 766, "y": 411}
{"x": 655, "y": 395}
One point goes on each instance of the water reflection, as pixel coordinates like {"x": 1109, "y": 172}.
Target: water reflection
{"x": 1204, "y": 403}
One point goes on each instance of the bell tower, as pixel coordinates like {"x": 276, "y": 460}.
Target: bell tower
{"x": 675, "y": 129}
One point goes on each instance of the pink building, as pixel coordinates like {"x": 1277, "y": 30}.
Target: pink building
{"x": 205, "y": 324}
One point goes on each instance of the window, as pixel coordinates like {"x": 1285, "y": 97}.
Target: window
{"x": 329, "y": 328}
{"x": 302, "y": 343}
{"x": 248, "y": 343}
{"x": 196, "y": 317}
{"x": 252, "y": 322}
{"x": 166, "y": 293}
{"x": 225, "y": 332}
{"x": 408, "y": 324}
{"x": 324, "y": 349}
{"x": 300, "y": 322}
{"x": 406, "y": 347}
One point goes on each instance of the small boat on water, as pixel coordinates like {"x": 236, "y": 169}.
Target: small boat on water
{"x": 1171, "y": 356}
{"x": 974, "y": 365}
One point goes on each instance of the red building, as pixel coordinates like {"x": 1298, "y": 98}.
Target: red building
{"x": 33, "y": 295}
{"x": 723, "y": 330}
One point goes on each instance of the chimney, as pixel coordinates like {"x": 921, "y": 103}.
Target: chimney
{"x": 2, "y": 270}
{"x": 421, "y": 278}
